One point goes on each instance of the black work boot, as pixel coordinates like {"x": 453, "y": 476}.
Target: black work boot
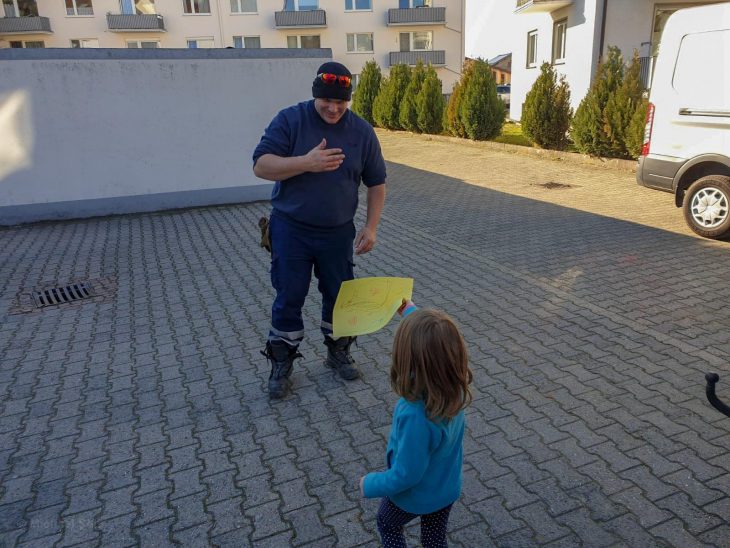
{"x": 339, "y": 357}
{"x": 282, "y": 356}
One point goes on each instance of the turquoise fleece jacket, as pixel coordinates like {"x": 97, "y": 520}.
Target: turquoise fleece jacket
{"x": 424, "y": 461}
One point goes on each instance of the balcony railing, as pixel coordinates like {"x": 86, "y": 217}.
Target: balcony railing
{"x": 122, "y": 22}
{"x": 306, "y": 18}
{"x": 434, "y": 57}
{"x": 536, "y": 6}
{"x": 417, "y": 16}
{"x": 25, "y": 25}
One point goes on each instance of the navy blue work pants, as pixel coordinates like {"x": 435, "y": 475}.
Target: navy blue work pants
{"x": 296, "y": 250}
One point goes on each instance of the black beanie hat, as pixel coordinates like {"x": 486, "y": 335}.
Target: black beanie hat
{"x": 321, "y": 90}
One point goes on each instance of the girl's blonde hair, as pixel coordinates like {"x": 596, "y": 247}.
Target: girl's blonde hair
{"x": 430, "y": 362}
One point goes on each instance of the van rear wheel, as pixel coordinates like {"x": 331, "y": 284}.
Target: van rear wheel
{"x": 707, "y": 206}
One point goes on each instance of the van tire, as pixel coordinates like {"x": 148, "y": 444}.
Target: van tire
{"x": 712, "y": 190}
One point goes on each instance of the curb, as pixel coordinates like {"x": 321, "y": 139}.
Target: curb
{"x": 571, "y": 157}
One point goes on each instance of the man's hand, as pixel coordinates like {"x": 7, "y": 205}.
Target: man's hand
{"x": 365, "y": 240}
{"x": 321, "y": 158}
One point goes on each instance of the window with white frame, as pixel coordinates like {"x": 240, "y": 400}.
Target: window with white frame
{"x": 301, "y": 5}
{"x": 357, "y": 5}
{"x": 532, "y": 49}
{"x": 403, "y": 4}
{"x": 560, "y": 29}
{"x": 27, "y": 44}
{"x": 247, "y": 42}
{"x": 303, "y": 41}
{"x": 137, "y": 7}
{"x": 143, "y": 44}
{"x": 360, "y": 42}
{"x": 355, "y": 81}
{"x": 196, "y": 7}
{"x": 85, "y": 43}
{"x": 244, "y": 6}
{"x": 20, "y": 8}
{"x": 416, "y": 41}
{"x": 200, "y": 43}
{"x": 79, "y": 7}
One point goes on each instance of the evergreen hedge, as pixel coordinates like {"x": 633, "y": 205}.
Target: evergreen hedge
{"x": 430, "y": 104}
{"x": 408, "y": 115}
{"x": 481, "y": 111}
{"x": 546, "y": 113}
{"x": 386, "y": 106}
{"x": 367, "y": 90}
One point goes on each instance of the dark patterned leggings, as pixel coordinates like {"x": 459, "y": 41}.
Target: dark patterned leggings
{"x": 391, "y": 520}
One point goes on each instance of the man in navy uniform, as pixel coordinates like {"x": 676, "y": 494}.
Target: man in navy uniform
{"x": 318, "y": 152}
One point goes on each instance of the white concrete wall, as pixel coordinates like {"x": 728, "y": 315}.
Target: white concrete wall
{"x": 581, "y": 50}
{"x": 137, "y": 130}
{"x": 222, "y": 26}
{"x": 628, "y": 33}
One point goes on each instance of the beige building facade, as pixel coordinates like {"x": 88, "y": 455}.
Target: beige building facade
{"x": 388, "y": 31}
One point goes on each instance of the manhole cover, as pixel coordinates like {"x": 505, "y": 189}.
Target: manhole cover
{"x": 62, "y": 294}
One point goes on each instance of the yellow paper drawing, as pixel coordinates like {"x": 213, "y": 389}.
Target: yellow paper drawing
{"x": 365, "y": 305}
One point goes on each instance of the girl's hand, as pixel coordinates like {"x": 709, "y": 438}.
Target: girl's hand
{"x": 406, "y": 304}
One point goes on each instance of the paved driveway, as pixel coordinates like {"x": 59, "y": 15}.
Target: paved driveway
{"x": 591, "y": 313}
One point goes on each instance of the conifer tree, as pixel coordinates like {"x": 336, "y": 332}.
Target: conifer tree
{"x": 367, "y": 90}
{"x": 452, "y": 115}
{"x": 430, "y": 104}
{"x": 386, "y": 106}
{"x": 408, "y": 116}
{"x": 591, "y": 130}
{"x": 481, "y": 111}
{"x": 546, "y": 113}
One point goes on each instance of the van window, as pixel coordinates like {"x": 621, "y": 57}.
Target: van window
{"x": 702, "y": 73}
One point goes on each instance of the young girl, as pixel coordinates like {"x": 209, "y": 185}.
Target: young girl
{"x": 431, "y": 375}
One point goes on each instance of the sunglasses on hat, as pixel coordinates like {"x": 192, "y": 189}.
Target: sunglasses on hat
{"x": 332, "y": 79}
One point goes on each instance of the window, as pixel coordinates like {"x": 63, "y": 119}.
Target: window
{"x": 301, "y": 5}
{"x": 355, "y": 81}
{"x": 304, "y": 42}
{"x": 85, "y": 43}
{"x": 79, "y": 7}
{"x": 20, "y": 8}
{"x": 360, "y": 43}
{"x": 196, "y": 6}
{"x": 414, "y": 4}
{"x": 243, "y": 6}
{"x": 200, "y": 43}
{"x": 532, "y": 49}
{"x": 27, "y": 44}
{"x": 247, "y": 42}
{"x": 143, "y": 44}
{"x": 137, "y": 7}
{"x": 355, "y": 5}
{"x": 416, "y": 41}
{"x": 559, "y": 31}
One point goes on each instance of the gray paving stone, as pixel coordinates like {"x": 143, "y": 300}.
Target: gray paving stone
{"x": 146, "y": 415}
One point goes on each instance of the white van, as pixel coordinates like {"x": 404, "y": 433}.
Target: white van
{"x": 687, "y": 137}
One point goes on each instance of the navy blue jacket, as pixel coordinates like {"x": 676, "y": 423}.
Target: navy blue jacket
{"x": 327, "y": 199}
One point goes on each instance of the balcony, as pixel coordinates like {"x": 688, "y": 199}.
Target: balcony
{"x": 540, "y": 6}
{"x": 25, "y": 25}
{"x": 434, "y": 57}
{"x": 291, "y": 19}
{"x": 121, "y": 22}
{"x": 416, "y": 16}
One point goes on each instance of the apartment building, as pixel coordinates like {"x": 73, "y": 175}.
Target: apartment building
{"x": 574, "y": 36}
{"x": 388, "y": 31}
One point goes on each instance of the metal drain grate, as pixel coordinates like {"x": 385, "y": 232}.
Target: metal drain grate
{"x": 63, "y": 294}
